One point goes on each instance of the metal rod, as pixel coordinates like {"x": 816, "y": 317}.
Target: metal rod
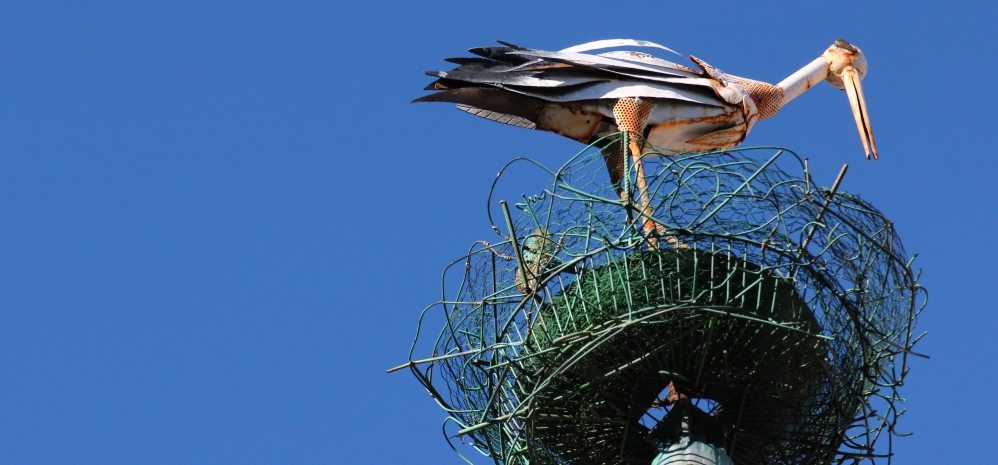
{"x": 738, "y": 190}
{"x": 516, "y": 245}
{"x": 824, "y": 207}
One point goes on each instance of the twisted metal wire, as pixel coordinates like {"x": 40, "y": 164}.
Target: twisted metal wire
{"x": 523, "y": 361}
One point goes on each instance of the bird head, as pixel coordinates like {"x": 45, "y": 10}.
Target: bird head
{"x": 846, "y": 67}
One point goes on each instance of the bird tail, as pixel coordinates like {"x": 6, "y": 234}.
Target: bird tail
{"x": 493, "y": 104}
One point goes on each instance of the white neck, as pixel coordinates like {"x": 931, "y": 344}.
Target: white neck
{"x": 805, "y": 78}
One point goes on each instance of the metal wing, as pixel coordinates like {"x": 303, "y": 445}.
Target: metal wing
{"x": 519, "y": 86}
{"x": 618, "y": 89}
{"x": 608, "y": 63}
{"x": 611, "y": 43}
{"x": 479, "y": 73}
{"x": 572, "y": 76}
{"x": 628, "y": 55}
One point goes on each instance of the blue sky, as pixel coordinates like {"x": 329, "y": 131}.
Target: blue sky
{"x": 221, "y": 219}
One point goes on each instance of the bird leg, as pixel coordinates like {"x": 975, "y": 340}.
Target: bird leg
{"x": 632, "y": 115}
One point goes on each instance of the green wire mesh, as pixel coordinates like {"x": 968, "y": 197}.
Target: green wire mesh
{"x": 786, "y": 313}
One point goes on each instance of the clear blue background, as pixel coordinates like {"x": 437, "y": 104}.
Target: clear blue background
{"x": 219, "y": 220}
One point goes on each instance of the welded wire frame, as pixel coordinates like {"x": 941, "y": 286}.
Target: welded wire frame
{"x": 788, "y": 314}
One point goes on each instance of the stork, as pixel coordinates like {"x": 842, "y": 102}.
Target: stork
{"x": 654, "y": 103}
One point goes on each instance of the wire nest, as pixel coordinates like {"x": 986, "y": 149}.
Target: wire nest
{"x": 784, "y": 310}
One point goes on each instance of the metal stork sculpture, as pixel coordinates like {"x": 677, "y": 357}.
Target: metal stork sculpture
{"x": 674, "y": 108}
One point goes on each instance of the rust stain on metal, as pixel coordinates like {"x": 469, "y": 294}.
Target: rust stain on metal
{"x": 722, "y": 138}
{"x": 569, "y": 121}
{"x": 542, "y": 67}
{"x": 717, "y": 119}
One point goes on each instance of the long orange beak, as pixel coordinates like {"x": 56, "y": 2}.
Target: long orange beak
{"x": 850, "y": 80}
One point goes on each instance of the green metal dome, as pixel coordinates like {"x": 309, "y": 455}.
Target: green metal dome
{"x": 719, "y": 327}
{"x": 782, "y": 314}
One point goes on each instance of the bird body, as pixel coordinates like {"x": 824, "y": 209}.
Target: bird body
{"x": 655, "y": 103}
{"x": 573, "y": 93}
